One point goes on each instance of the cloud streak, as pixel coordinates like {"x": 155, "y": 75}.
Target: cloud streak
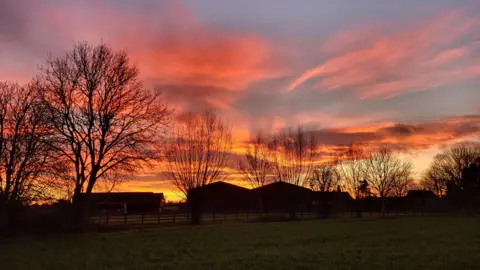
{"x": 442, "y": 51}
{"x": 420, "y": 136}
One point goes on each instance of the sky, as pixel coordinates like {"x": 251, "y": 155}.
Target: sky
{"x": 373, "y": 71}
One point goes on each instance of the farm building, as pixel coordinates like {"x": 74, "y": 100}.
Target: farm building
{"x": 284, "y": 197}
{"x": 326, "y": 203}
{"x": 422, "y": 200}
{"x": 132, "y": 202}
{"x": 221, "y": 197}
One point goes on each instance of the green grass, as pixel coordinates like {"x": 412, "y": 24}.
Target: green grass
{"x": 401, "y": 243}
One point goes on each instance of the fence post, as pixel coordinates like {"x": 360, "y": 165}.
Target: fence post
{"x": 125, "y": 219}
{"x": 142, "y": 217}
{"x": 158, "y": 218}
{"x": 106, "y": 218}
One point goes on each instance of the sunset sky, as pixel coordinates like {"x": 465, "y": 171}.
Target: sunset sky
{"x": 374, "y": 71}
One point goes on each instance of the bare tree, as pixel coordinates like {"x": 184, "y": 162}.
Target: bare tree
{"x": 197, "y": 156}
{"x": 455, "y": 173}
{"x": 435, "y": 180}
{"x": 293, "y": 156}
{"x": 25, "y": 156}
{"x": 256, "y": 167}
{"x": 352, "y": 170}
{"x": 325, "y": 177}
{"x": 403, "y": 183}
{"x": 106, "y": 123}
{"x": 353, "y": 173}
{"x": 383, "y": 170}
{"x": 451, "y": 164}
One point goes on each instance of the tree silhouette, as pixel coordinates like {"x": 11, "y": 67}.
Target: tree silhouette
{"x": 402, "y": 184}
{"x": 434, "y": 179}
{"x": 383, "y": 170}
{"x": 454, "y": 173}
{"x": 105, "y": 122}
{"x": 450, "y": 165}
{"x": 26, "y": 158}
{"x": 293, "y": 155}
{"x": 325, "y": 177}
{"x": 353, "y": 173}
{"x": 197, "y": 156}
{"x": 256, "y": 166}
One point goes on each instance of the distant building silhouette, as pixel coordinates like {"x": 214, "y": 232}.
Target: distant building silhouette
{"x": 327, "y": 203}
{"x": 131, "y": 202}
{"x": 421, "y": 200}
{"x": 223, "y": 197}
{"x": 279, "y": 197}
{"x": 284, "y": 197}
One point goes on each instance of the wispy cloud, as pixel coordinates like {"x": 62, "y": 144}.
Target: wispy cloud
{"x": 419, "y": 136}
{"x": 441, "y": 51}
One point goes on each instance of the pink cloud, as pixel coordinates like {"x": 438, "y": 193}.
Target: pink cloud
{"x": 406, "y": 61}
{"x": 172, "y": 49}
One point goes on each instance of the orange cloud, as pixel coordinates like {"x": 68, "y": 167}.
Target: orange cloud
{"x": 419, "y": 136}
{"x": 171, "y": 47}
{"x": 201, "y": 65}
{"x": 208, "y": 59}
{"x": 408, "y": 61}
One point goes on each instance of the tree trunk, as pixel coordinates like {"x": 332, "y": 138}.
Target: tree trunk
{"x": 194, "y": 215}
{"x": 80, "y": 203}
{"x": 260, "y": 205}
{"x": 383, "y": 207}
{"x": 194, "y": 202}
{"x": 358, "y": 207}
{"x": 10, "y": 214}
{"x": 78, "y": 211}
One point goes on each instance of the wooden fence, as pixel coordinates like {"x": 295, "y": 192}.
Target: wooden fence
{"x": 114, "y": 219}
{"x": 108, "y": 218}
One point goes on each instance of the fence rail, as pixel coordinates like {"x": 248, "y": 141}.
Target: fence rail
{"x": 116, "y": 219}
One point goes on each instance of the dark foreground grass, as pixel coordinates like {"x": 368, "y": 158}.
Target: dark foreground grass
{"x": 401, "y": 243}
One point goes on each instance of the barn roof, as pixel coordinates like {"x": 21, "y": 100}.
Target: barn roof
{"x": 283, "y": 186}
{"x": 123, "y": 197}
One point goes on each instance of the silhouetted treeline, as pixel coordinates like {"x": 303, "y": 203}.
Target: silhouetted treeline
{"x": 455, "y": 175}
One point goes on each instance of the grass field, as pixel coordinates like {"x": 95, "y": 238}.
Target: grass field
{"x": 397, "y": 243}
